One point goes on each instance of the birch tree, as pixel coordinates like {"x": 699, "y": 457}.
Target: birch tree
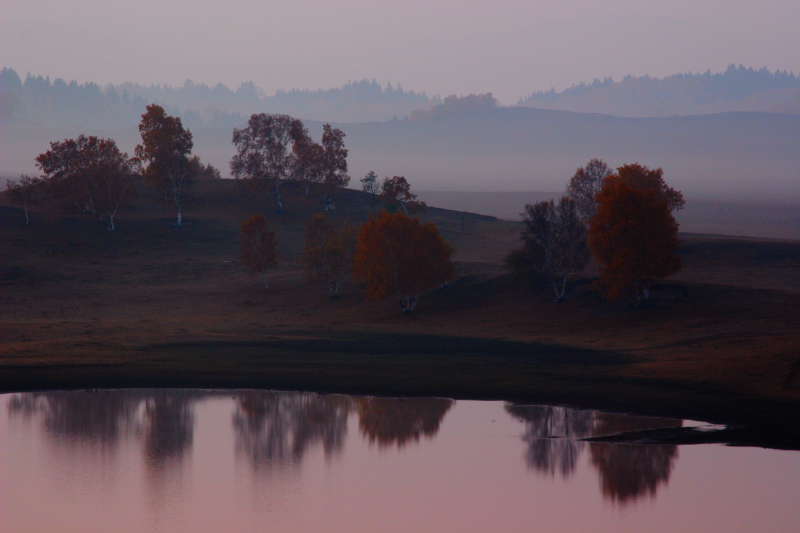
{"x": 584, "y": 186}
{"x": 89, "y": 174}
{"x": 25, "y": 192}
{"x": 165, "y": 150}
{"x": 553, "y": 243}
{"x": 265, "y": 151}
{"x": 369, "y": 183}
{"x": 334, "y": 163}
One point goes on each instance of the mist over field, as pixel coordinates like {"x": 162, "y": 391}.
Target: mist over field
{"x": 467, "y": 144}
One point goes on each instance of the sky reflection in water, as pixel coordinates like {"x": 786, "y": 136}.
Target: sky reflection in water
{"x": 180, "y": 460}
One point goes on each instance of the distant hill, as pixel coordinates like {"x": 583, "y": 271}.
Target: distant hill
{"x": 469, "y": 143}
{"x": 736, "y": 89}
{"x": 38, "y": 100}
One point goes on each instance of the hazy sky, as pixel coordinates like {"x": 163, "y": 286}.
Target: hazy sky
{"x": 510, "y": 47}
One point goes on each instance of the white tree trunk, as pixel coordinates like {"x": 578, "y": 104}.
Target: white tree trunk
{"x": 333, "y": 289}
{"x": 408, "y": 303}
{"x": 278, "y": 195}
{"x": 111, "y": 225}
{"x": 27, "y": 216}
{"x": 560, "y": 289}
{"x": 179, "y": 218}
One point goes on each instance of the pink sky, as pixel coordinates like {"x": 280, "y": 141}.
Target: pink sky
{"x": 510, "y": 47}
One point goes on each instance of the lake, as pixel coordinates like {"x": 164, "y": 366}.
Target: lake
{"x": 198, "y": 460}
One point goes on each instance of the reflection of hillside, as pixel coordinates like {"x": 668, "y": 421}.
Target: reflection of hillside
{"x": 552, "y": 434}
{"x": 388, "y": 421}
{"x": 278, "y": 428}
{"x": 630, "y": 472}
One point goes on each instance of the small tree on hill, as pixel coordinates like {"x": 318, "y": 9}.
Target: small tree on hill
{"x": 258, "y": 246}
{"x": 554, "y": 244}
{"x": 634, "y": 238}
{"x": 165, "y": 150}
{"x": 398, "y": 255}
{"x": 88, "y": 174}
{"x": 25, "y": 193}
{"x": 584, "y": 186}
{"x": 328, "y": 253}
{"x": 369, "y": 183}
{"x": 397, "y": 196}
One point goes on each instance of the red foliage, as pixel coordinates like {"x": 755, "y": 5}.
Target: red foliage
{"x": 634, "y": 238}
{"x": 398, "y": 255}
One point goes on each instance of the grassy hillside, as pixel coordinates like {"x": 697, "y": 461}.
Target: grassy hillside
{"x": 154, "y": 304}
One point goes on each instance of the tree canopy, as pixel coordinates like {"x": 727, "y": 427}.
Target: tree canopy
{"x": 265, "y": 151}
{"x": 397, "y": 196}
{"x": 584, "y": 186}
{"x": 165, "y": 150}
{"x": 89, "y": 175}
{"x": 397, "y": 255}
{"x": 634, "y": 238}
{"x": 553, "y": 244}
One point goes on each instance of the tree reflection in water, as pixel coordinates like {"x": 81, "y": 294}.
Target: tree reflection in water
{"x": 168, "y": 426}
{"x": 390, "y": 421}
{"x": 552, "y": 436}
{"x": 97, "y": 419}
{"x": 273, "y": 429}
{"x": 278, "y": 428}
{"x": 629, "y": 472}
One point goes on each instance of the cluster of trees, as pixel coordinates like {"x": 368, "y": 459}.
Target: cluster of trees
{"x": 91, "y": 175}
{"x": 394, "y": 193}
{"x": 273, "y": 149}
{"x": 392, "y": 255}
{"x": 623, "y": 219}
{"x": 88, "y": 174}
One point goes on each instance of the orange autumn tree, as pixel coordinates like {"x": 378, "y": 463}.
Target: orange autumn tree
{"x": 651, "y": 179}
{"x": 398, "y": 255}
{"x": 634, "y": 238}
{"x": 258, "y": 246}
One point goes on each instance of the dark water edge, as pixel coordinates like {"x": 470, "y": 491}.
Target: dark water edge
{"x": 514, "y": 372}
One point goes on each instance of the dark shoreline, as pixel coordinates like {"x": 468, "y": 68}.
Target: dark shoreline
{"x": 423, "y": 365}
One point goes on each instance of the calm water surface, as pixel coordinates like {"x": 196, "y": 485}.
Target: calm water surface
{"x": 178, "y": 460}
